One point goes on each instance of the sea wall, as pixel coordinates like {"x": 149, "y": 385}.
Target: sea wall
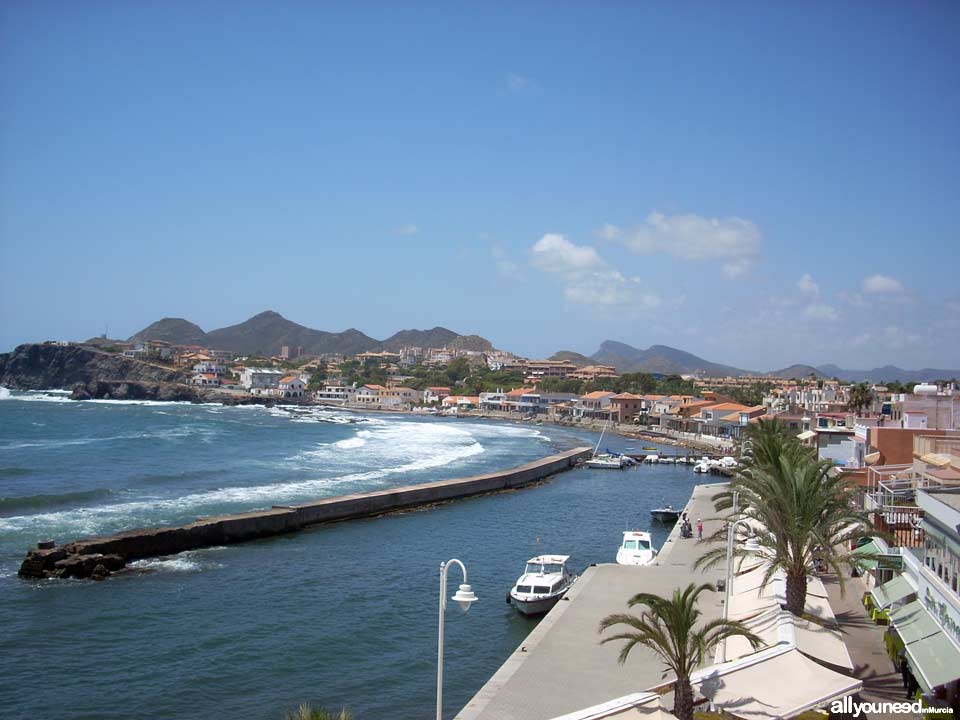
{"x": 98, "y": 557}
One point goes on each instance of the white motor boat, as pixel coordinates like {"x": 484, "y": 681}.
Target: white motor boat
{"x": 544, "y": 581}
{"x": 651, "y": 458}
{"x": 636, "y": 548}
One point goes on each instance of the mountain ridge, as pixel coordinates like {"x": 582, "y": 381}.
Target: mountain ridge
{"x": 267, "y": 332}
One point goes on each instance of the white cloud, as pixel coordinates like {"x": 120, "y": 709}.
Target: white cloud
{"x": 408, "y": 229}
{"x": 821, "y": 311}
{"x": 587, "y": 278}
{"x": 733, "y": 241}
{"x": 517, "y": 83}
{"x": 555, "y": 254}
{"x": 882, "y": 285}
{"x": 608, "y": 232}
{"x": 505, "y": 266}
{"x": 807, "y": 285}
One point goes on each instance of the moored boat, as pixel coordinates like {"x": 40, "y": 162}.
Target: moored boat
{"x": 636, "y": 548}
{"x": 665, "y": 514}
{"x": 545, "y": 580}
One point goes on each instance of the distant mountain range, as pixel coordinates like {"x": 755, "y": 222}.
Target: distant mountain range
{"x": 671, "y": 361}
{"x": 268, "y": 332}
{"x": 658, "y": 359}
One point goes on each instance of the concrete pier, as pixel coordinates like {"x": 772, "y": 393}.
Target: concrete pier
{"x": 97, "y": 557}
{"x": 561, "y": 666}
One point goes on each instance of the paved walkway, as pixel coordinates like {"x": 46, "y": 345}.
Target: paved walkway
{"x": 864, "y": 638}
{"x": 562, "y": 667}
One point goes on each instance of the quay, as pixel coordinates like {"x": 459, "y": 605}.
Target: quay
{"x": 97, "y": 557}
{"x": 561, "y": 667}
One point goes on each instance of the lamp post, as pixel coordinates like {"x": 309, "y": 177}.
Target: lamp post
{"x": 731, "y": 533}
{"x": 464, "y": 597}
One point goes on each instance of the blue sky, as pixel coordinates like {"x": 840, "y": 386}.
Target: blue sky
{"x": 757, "y": 183}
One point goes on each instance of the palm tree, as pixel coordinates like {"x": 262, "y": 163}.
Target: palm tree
{"x": 861, "y": 398}
{"x": 805, "y": 516}
{"x": 666, "y": 626}
{"x": 307, "y": 712}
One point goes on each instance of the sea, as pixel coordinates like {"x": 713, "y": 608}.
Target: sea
{"x": 343, "y": 615}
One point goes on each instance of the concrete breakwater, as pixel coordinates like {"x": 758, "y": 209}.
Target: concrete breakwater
{"x": 98, "y": 557}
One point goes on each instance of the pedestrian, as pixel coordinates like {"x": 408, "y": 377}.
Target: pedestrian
{"x": 699, "y": 529}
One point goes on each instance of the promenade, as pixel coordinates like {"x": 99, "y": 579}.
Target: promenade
{"x": 562, "y": 666}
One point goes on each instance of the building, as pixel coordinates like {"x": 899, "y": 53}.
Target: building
{"x": 539, "y": 369}
{"x": 928, "y": 408}
{"x": 461, "y": 402}
{"x": 594, "y": 405}
{"x": 205, "y": 379}
{"x": 627, "y": 406}
{"x": 915, "y": 572}
{"x": 208, "y": 366}
{"x": 291, "y": 386}
{"x": 255, "y": 378}
{"x": 398, "y": 396}
{"x": 435, "y": 394}
{"x": 369, "y": 394}
{"x": 591, "y": 373}
{"x": 337, "y": 392}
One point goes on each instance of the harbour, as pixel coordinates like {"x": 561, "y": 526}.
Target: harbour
{"x": 323, "y": 615}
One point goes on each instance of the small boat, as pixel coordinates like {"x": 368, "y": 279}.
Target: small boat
{"x": 544, "y": 581}
{"x": 650, "y": 448}
{"x": 636, "y": 548}
{"x": 665, "y": 514}
{"x": 651, "y": 458}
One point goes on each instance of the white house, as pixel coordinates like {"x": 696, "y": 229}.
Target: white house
{"x": 337, "y": 393}
{"x": 208, "y": 367}
{"x": 369, "y": 394}
{"x": 205, "y": 380}
{"x": 253, "y": 378}
{"x": 292, "y": 386}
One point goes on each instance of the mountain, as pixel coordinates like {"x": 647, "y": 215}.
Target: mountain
{"x": 888, "y": 373}
{"x": 574, "y": 358}
{"x": 658, "y": 359}
{"x": 798, "y": 371}
{"x": 268, "y": 332}
{"x": 172, "y": 330}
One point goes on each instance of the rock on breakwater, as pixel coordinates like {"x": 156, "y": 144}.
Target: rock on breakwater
{"x": 99, "y": 556}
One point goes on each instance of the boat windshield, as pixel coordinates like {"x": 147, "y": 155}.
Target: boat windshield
{"x": 636, "y": 545}
{"x": 544, "y": 569}
{"x": 523, "y": 589}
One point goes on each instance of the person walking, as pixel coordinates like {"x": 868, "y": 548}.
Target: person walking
{"x": 699, "y": 529}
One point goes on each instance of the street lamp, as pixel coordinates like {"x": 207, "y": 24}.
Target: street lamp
{"x": 464, "y": 597}
{"x": 752, "y": 545}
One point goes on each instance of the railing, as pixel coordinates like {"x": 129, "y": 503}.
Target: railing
{"x": 902, "y": 525}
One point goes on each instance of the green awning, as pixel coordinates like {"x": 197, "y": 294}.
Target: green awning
{"x": 935, "y": 661}
{"x": 893, "y": 591}
{"x": 912, "y": 622}
{"x": 869, "y": 555}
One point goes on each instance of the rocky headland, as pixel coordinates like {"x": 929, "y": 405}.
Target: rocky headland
{"x": 92, "y": 373}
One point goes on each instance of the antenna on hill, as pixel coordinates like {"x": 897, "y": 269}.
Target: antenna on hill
{"x": 106, "y": 330}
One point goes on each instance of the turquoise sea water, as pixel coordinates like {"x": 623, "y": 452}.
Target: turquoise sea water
{"x": 339, "y": 615}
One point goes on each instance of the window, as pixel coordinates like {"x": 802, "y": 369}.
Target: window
{"x": 523, "y": 589}
{"x": 541, "y": 589}
{"x": 629, "y": 544}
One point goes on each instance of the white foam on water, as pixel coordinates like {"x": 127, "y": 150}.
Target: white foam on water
{"x": 390, "y": 448}
{"x": 359, "y": 440}
{"x": 188, "y": 561}
{"x": 180, "y": 431}
{"x": 34, "y": 396}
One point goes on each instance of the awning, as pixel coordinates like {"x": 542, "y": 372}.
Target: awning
{"x": 754, "y": 688}
{"x": 871, "y": 458}
{"x": 934, "y": 661}
{"x": 806, "y": 435}
{"x": 891, "y": 592}
{"x": 912, "y": 622}
{"x": 888, "y": 560}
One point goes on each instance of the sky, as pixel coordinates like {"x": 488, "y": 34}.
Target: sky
{"x": 759, "y": 183}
